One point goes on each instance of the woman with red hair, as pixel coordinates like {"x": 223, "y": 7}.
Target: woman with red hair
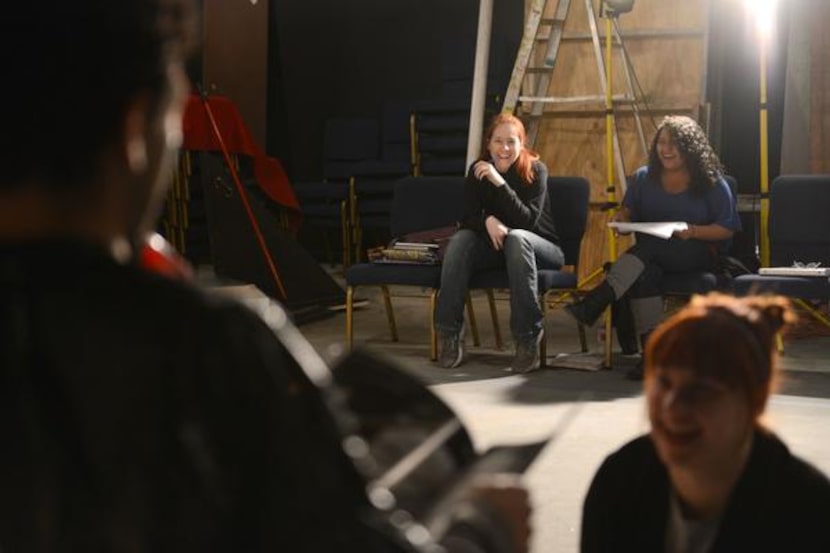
{"x": 507, "y": 222}
{"x": 709, "y": 476}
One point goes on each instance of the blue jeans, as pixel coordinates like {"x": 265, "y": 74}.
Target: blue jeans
{"x": 470, "y": 251}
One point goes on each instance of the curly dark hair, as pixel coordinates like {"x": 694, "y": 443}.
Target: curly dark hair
{"x": 701, "y": 160}
{"x": 70, "y": 69}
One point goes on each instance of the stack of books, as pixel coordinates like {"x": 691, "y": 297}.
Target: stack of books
{"x": 406, "y": 252}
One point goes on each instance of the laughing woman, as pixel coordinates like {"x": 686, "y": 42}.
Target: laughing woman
{"x": 682, "y": 182}
{"x": 709, "y": 477}
{"x": 507, "y": 222}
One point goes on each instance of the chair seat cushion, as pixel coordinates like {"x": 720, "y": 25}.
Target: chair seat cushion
{"x": 797, "y": 287}
{"x": 683, "y": 284}
{"x": 377, "y": 274}
{"x": 547, "y": 279}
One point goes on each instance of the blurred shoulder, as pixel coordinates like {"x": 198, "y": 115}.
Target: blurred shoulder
{"x": 796, "y": 474}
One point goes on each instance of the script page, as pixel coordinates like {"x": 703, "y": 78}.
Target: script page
{"x": 661, "y": 230}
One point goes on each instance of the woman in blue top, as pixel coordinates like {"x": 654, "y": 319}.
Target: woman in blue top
{"x": 683, "y": 181}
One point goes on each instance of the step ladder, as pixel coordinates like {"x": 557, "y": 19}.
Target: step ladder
{"x": 529, "y": 85}
{"x": 535, "y": 82}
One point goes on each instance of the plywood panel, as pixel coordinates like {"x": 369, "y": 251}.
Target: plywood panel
{"x": 668, "y": 60}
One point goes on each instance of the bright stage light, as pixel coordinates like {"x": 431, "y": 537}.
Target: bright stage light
{"x": 763, "y": 11}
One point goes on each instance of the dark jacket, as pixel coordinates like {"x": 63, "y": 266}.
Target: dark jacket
{"x": 518, "y": 204}
{"x": 780, "y": 503}
{"x": 138, "y": 414}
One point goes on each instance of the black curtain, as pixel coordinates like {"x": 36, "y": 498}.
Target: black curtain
{"x": 734, "y": 93}
{"x": 345, "y": 58}
{"x": 276, "y": 138}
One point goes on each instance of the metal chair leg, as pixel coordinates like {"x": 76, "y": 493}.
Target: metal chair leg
{"x": 543, "y": 345}
{"x": 494, "y": 316}
{"x": 345, "y": 230}
{"x": 609, "y": 338}
{"x": 349, "y": 317}
{"x": 390, "y": 314}
{"x": 473, "y": 325}
{"x": 433, "y": 333}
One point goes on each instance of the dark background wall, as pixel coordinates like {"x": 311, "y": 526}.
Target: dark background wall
{"x": 734, "y": 92}
{"x": 345, "y": 58}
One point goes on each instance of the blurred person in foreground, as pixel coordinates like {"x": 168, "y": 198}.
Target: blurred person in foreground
{"x": 137, "y": 413}
{"x": 709, "y": 476}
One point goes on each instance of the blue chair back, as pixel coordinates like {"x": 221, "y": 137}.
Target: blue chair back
{"x": 799, "y": 219}
{"x": 424, "y": 203}
{"x": 569, "y": 198}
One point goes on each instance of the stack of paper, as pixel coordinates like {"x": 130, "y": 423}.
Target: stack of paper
{"x": 661, "y": 230}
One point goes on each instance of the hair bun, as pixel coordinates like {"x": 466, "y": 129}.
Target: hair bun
{"x": 777, "y": 313}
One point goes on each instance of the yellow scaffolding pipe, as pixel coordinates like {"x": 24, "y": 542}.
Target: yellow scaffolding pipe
{"x": 764, "y": 238}
{"x": 610, "y": 190}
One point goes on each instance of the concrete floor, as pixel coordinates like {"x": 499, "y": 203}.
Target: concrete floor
{"x": 603, "y": 409}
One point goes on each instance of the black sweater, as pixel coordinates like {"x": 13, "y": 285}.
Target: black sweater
{"x": 517, "y": 204}
{"x": 780, "y": 503}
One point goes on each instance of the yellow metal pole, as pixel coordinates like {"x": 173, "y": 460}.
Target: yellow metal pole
{"x": 764, "y": 158}
{"x": 610, "y": 190}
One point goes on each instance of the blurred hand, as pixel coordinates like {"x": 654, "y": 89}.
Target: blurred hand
{"x": 621, "y": 216}
{"x": 497, "y": 231}
{"x": 486, "y": 170}
{"x": 508, "y": 502}
{"x": 685, "y": 234}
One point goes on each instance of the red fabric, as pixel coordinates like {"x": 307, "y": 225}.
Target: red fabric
{"x": 268, "y": 171}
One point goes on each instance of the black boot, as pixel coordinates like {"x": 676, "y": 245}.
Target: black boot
{"x": 636, "y": 372}
{"x": 588, "y": 310}
{"x": 623, "y": 321}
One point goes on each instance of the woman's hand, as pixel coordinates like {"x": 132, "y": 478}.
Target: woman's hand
{"x": 501, "y": 510}
{"x": 621, "y": 216}
{"x": 710, "y": 233}
{"x": 687, "y": 234}
{"x": 497, "y": 231}
{"x": 486, "y": 170}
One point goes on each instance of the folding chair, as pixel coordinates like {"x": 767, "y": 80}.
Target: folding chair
{"x": 799, "y": 231}
{"x": 419, "y": 203}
